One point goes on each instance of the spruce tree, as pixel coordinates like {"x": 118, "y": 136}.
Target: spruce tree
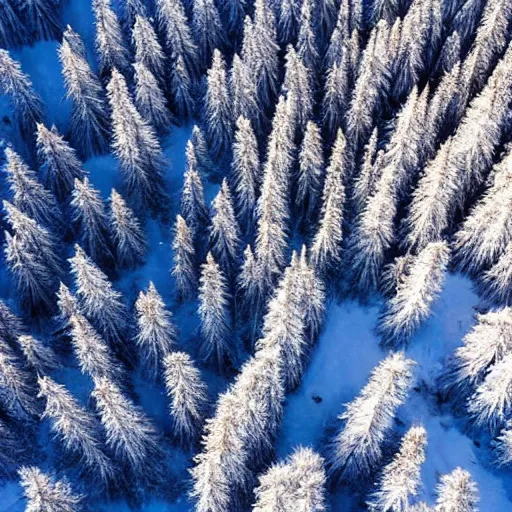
{"x": 184, "y": 259}
{"x": 368, "y": 175}
{"x": 148, "y": 50}
{"x": 188, "y": 397}
{"x": 215, "y": 315}
{"x": 91, "y": 219}
{"x": 27, "y": 106}
{"x": 76, "y": 430}
{"x": 126, "y": 232}
{"x": 307, "y": 49}
{"x": 207, "y": 28}
{"x": 457, "y": 492}
{"x": 46, "y": 494}
{"x": 29, "y": 195}
{"x": 495, "y": 284}
{"x": 129, "y": 10}
{"x": 12, "y": 32}
{"x": 150, "y": 99}
{"x": 182, "y": 90}
{"x": 400, "y": 480}
{"x": 224, "y": 232}
{"x": 502, "y": 446}
{"x": 156, "y": 333}
{"x": 297, "y": 484}
{"x": 336, "y": 96}
{"x": 89, "y": 128}
{"x": 357, "y": 449}
{"x": 288, "y": 21}
{"x": 57, "y": 162}
{"x": 11, "y": 327}
{"x": 39, "y": 356}
{"x": 137, "y": 149}
{"x": 110, "y": 46}
{"x": 201, "y": 151}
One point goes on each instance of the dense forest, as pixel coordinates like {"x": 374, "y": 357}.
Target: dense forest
{"x": 335, "y": 152}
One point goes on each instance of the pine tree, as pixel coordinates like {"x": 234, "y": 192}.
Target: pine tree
{"x": 57, "y": 162}
{"x": 450, "y": 53}
{"x": 307, "y": 49}
{"x": 17, "y": 397}
{"x": 401, "y": 479}
{"x": 27, "y": 106}
{"x": 288, "y": 21}
{"x": 126, "y": 232}
{"x": 89, "y": 128}
{"x": 184, "y": 265}
{"x": 495, "y": 284}
{"x": 174, "y": 24}
{"x": 218, "y": 112}
{"x": 298, "y": 484}
{"x": 75, "y": 429}
{"x": 130, "y": 435}
{"x": 457, "y": 492}
{"x": 248, "y": 281}
{"x": 46, "y": 494}
{"x": 207, "y": 28}
{"x": 368, "y": 176}
{"x": 110, "y": 47}
{"x": 137, "y": 149}
{"x": 215, "y": 315}
{"x": 182, "y": 90}
{"x": 327, "y": 243}
{"x": 150, "y": 100}
{"x": 129, "y": 10}
{"x": 491, "y": 404}
{"x": 148, "y": 50}
{"x": 29, "y": 195}
{"x": 486, "y": 344}
{"x": 311, "y": 172}
{"x": 188, "y": 396}
{"x": 224, "y": 232}
{"x": 12, "y": 31}
{"x": 97, "y": 299}
{"x": 201, "y": 151}
{"x": 430, "y": 213}
{"x": 416, "y": 293}
{"x": 357, "y": 449}
{"x": 487, "y": 230}
{"x": 156, "y": 333}
{"x": 91, "y": 219}
{"x": 67, "y": 307}
{"x": 39, "y": 356}
{"x": 193, "y": 207}
{"x": 246, "y": 171}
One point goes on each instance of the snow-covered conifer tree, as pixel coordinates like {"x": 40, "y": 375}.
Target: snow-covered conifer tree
{"x": 174, "y": 24}
{"x": 110, "y": 47}
{"x": 416, "y": 293}
{"x": 325, "y": 20}
{"x": 184, "y": 260}
{"x": 495, "y": 284}
{"x": 400, "y": 480}
{"x": 156, "y": 333}
{"x": 13, "y": 453}
{"x": 311, "y": 172}
{"x": 297, "y": 484}
{"x": 67, "y": 306}
{"x": 89, "y": 129}
{"x": 39, "y": 356}
{"x": 192, "y": 206}
{"x": 90, "y": 216}
{"x": 182, "y": 90}
{"x": 368, "y": 176}
{"x": 327, "y": 242}
{"x": 130, "y": 435}
{"x": 41, "y": 17}
{"x": 357, "y": 449}
{"x": 307, "y": 49}
{"x": 137, "y": 148}
{"x": 27, "y": 106}
{"x": 502, "y": 446}
{"x": 488, "y": 342}
{"x": 148, "y": 50}
{"x": 201, "y": 151}
{"x": 76, "y": 429}
{"x": 225, "y": 232}
{"x": 11, "y": 327}
{"x": 97, "y": 299}
{"x": 57, "y": 162}
{"x": 126, "y": 232}
{"x": 29, "y": 195}
{"x": 248, "y": 281}
{"x": 214, "y": 312}
{"x": 150, "y": 99}
{"x": 94, "y": 356}
{"x": 288, "y": 21}
{"x": 246, "y": 171}
{"x": 457, "y": 492}
{"x": 129, "y": 10}
{"x": 17, "y": 397}
{"x": 487, "y": 230}
{"x": 450, "y": 53}
{"x": 188, "y": 396}
{"x": 46, "y": 494}
{"x": 218, "y": 110}
{"x": 207, "y": 28}
{"x": 12, "y": 32}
